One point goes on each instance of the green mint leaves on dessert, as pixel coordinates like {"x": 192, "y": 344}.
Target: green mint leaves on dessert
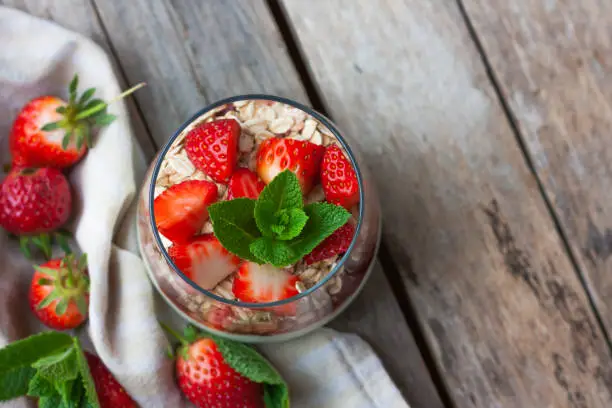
{"x": 50, "y": 366}
{"x": 276, "y": 228}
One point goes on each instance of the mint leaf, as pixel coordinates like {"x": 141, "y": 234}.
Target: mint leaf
{"x": 289, "y": 223}
{"x": 53, "y": 401}
{"x": 248, "y": 362}
{"x": 234, "y": 226}
{"x": 14, "y": 382}
{"x": 276, "y": 396}
{"x": 86, "y": 378}
{"x": 283, "y": 193}
{"x": 40, "y": 387}
{"x": 273, "y": 252}
{"x": 323, "y": 220}
{"x": 59, "y": 367}
{"x": 27, "y": 351}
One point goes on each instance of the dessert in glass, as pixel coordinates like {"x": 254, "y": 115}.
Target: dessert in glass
{"x": 257, "y": 221}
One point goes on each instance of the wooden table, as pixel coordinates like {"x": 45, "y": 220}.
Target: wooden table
{"x": 488, "y": 125}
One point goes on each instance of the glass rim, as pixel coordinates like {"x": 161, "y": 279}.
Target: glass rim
{"x": 310, "y": 111}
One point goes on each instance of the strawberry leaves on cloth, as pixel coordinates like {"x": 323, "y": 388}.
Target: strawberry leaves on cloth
{"x": 276, "y": 228}
{"x": 50, "y": 366}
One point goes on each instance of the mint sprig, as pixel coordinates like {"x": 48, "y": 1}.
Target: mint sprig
{"x": 276, "y": 228}
{"x": 50, "y": 366}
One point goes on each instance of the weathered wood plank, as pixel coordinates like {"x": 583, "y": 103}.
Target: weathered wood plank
{"x": 192, "y": 53}
{"x": 559, "y": 87}
{"x": 79, "y": 16}
{"x": 506, "y": 315}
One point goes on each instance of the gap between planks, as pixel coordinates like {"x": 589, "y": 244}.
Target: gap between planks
{"x": 124, "y": 78}
{"x": 512, "y": 120}
{"x": 388, "y": 265}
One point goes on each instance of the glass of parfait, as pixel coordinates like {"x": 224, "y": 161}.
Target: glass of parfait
{"x": 257, "y": 221}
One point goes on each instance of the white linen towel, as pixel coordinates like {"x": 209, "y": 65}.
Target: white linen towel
{"x": 37, "y": 57}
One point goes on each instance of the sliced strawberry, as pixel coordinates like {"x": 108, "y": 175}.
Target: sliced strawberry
{"x": 213, "y": 148}
{"x": 263, "y": 284}
{"x": 337, "y": 243}
{"x": 244, "y": 183}
{"x": 338, "y": 178}
{"x": 301, "y": 157}
{"x": 181, "y": 211}
{"x": 204, "y": 260}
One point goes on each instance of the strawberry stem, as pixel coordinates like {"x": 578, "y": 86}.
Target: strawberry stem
{"x": 173, "y": 333}
{"x": 100, "y": 107}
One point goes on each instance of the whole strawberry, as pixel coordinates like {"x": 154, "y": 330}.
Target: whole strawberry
{"x": 51, "y": 132}
{"x": 34, "y": 201}
{"x": 110, "y": 393}
{"x": 339, "y": 179}
{"x": 213, "y": 148}
{"x": 59, "y": 293}
{"x": 214, "y": 372}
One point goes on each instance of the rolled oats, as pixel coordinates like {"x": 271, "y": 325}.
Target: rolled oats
{"x": 281, "y": 125}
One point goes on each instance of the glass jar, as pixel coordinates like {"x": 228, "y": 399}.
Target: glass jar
{"x": 214, "y": 310}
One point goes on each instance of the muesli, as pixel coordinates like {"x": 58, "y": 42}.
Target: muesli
{"x": 256, "y": 157}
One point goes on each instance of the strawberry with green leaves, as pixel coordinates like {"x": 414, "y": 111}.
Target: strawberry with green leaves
{"x": 214, "y": 372}
{"x": 59, "y": 292}
{"x": 51, "y": 132}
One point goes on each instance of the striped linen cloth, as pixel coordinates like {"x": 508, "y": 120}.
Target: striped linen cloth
{"x": 324, "y": 369}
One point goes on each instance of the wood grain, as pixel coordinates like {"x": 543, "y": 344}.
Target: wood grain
{"x": 500, "y": 302}
{"x": 554, "y": 66}
{"x": 195, "y": 52}
{"x": 192, "y": 53}
{"x": 82, "y": 19}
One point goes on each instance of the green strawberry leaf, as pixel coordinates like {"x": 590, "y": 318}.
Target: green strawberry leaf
{"x": 14, "y": 382}
{"x": 283, "y": 193}
{"x": 40, "y": 387}
{"x": 234, "y": 226}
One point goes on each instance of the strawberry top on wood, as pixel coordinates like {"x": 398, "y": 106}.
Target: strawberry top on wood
{"x": 51, "y": 132}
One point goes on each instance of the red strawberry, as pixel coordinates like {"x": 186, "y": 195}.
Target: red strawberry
{"x": 110, "y": 393}
{"x": 50, "y": 132}
{"x": 338, "y": 178}
{"x": 208, "y": 381}
{"x": 244, "y": 183}
{"x": 34, "y": 201}
{"x": 181, "y": 211}
{"x": 204, "y": 260}
{"x": 302, "y": 158}
{"x": 212, "y": 148}
{"x": 336, "y": 243}
{"x": 264, "y": 283}
{"x": 59, "y": 293}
